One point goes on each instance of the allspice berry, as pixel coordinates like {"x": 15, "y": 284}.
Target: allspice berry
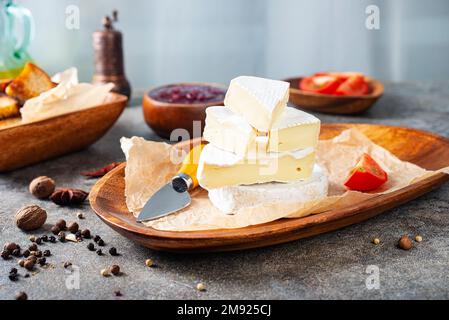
{"x": 61, "y": 224}
{"x": 405, "y": 243}
{"x": 42, "y": 187}
{"x": 55, "y": 230}
{"x": 73, "y": 227}
{"x": 30, "y": 217}
{"x": 29, "y": 264}
{"x": 115, "y": 270}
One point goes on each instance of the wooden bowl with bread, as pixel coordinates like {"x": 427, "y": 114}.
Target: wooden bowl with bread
{"x": 28, "y": 142}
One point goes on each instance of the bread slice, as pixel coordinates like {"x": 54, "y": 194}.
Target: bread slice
{"x": 30, "y": 83}
{"x": 4, "y": 83}
{"x": 9, "y": 107}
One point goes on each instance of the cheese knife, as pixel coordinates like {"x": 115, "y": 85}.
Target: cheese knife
{"x": 174, "y": 196}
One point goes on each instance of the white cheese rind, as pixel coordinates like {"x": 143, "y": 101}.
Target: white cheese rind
{"x": 219, "y": 168}
{"x": 295, "y": 129}
{"x": 259, "y": 101}
{"x": 229, "y": 199}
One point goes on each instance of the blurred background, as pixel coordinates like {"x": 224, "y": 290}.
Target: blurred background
{"x": 215, "y": 40}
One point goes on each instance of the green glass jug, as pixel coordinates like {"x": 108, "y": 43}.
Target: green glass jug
{"x": 16, "y": 31}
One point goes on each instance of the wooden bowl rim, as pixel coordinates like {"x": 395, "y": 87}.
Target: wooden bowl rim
{"x": 146, "y": 96}
{"x": 117, "y": 98}
{"x": 279, "y": 225}
{"x": 374, "y": 83}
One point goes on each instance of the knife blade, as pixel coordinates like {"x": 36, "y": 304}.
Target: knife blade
{"x": 174, "y": 196}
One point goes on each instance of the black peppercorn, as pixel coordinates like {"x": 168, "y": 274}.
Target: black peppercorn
{"x": 38, "y": 254}
{"x": 13, "y": 276}
{"x": 27, "y": 275}
{"x": 78, "y": 234}
{"x": 67, "y": 264}
{"x": 86, "y": 234}
{"x": 33, "y": 247}
{"x": 44, "y": 238}
{"x": 38, "y": 240}
{"x": 99, "y": 252}
{"x": 42, "y": 261}
{"x": 47, "y": 253}
{"x": 21, "y": 296}
{"x": 91, "y": 246}
{"x": 26, "y": 253}
{"x": 96, "y": 238}
{"x": 113, "y": 251}
{"x": 16, "y": 253}
{"x": 52, "y": 239}
{"x": 118, "y": 293}
{"x": 100, "y": 243}
{"x": 13, "y": 271}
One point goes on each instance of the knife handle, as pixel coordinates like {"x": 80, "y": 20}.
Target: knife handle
{"x": 186, "y": 179}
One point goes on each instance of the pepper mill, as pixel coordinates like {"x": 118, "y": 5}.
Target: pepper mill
{"x": 108, "y": 53}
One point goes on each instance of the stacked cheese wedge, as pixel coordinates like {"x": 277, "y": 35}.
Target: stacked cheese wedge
{"x": 259, "y": 149}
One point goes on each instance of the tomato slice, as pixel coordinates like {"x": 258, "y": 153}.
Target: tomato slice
{"x": 320, "y": 84}
{"x": 353, "y": 86}
{"x": 341, "y": 75}
{"x": 367, "y": 175}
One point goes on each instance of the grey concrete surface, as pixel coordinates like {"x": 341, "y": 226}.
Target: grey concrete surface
{"x": 329, "y": 266}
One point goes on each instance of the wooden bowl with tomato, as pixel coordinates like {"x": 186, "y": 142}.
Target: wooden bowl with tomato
{"x": 335, "y": 93}
{"x": 177, "y": 106}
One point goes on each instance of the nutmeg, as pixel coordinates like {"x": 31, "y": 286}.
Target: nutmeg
{"x": 30, "y": 217}
{"x": 42, "y": 187}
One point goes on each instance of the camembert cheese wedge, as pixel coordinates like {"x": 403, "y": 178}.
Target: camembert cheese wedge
{"x": 218, "y": 168}
{"x": 294, "y": 130}
{"x": 259, "y": 101}
{"x": 230, "y": 199}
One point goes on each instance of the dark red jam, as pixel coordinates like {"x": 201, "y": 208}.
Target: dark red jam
{"x": 188, "y": 94}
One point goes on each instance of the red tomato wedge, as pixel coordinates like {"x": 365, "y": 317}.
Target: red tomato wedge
{"x": 341, "y": 75}
{"x": 367, "y": 175}
{"x": 320, "y": 84}
{"x": 353, "y": 86}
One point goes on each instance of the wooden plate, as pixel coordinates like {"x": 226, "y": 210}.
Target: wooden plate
{"x": 25, "y": 144}
{"x": 327, "y": 103}
{"x": 424, "y": 149}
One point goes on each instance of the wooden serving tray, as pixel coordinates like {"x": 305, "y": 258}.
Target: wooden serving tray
{"x": 425, "y": 149}
{"x": 26, "y": 144}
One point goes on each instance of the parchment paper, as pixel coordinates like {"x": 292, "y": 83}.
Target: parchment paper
{"x": 149, "y": 167}
{"x": 68, "y": 96}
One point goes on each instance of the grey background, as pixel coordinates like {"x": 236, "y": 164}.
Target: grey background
{"x": 202, "y": 40}
{"x": 329, "y": 266}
